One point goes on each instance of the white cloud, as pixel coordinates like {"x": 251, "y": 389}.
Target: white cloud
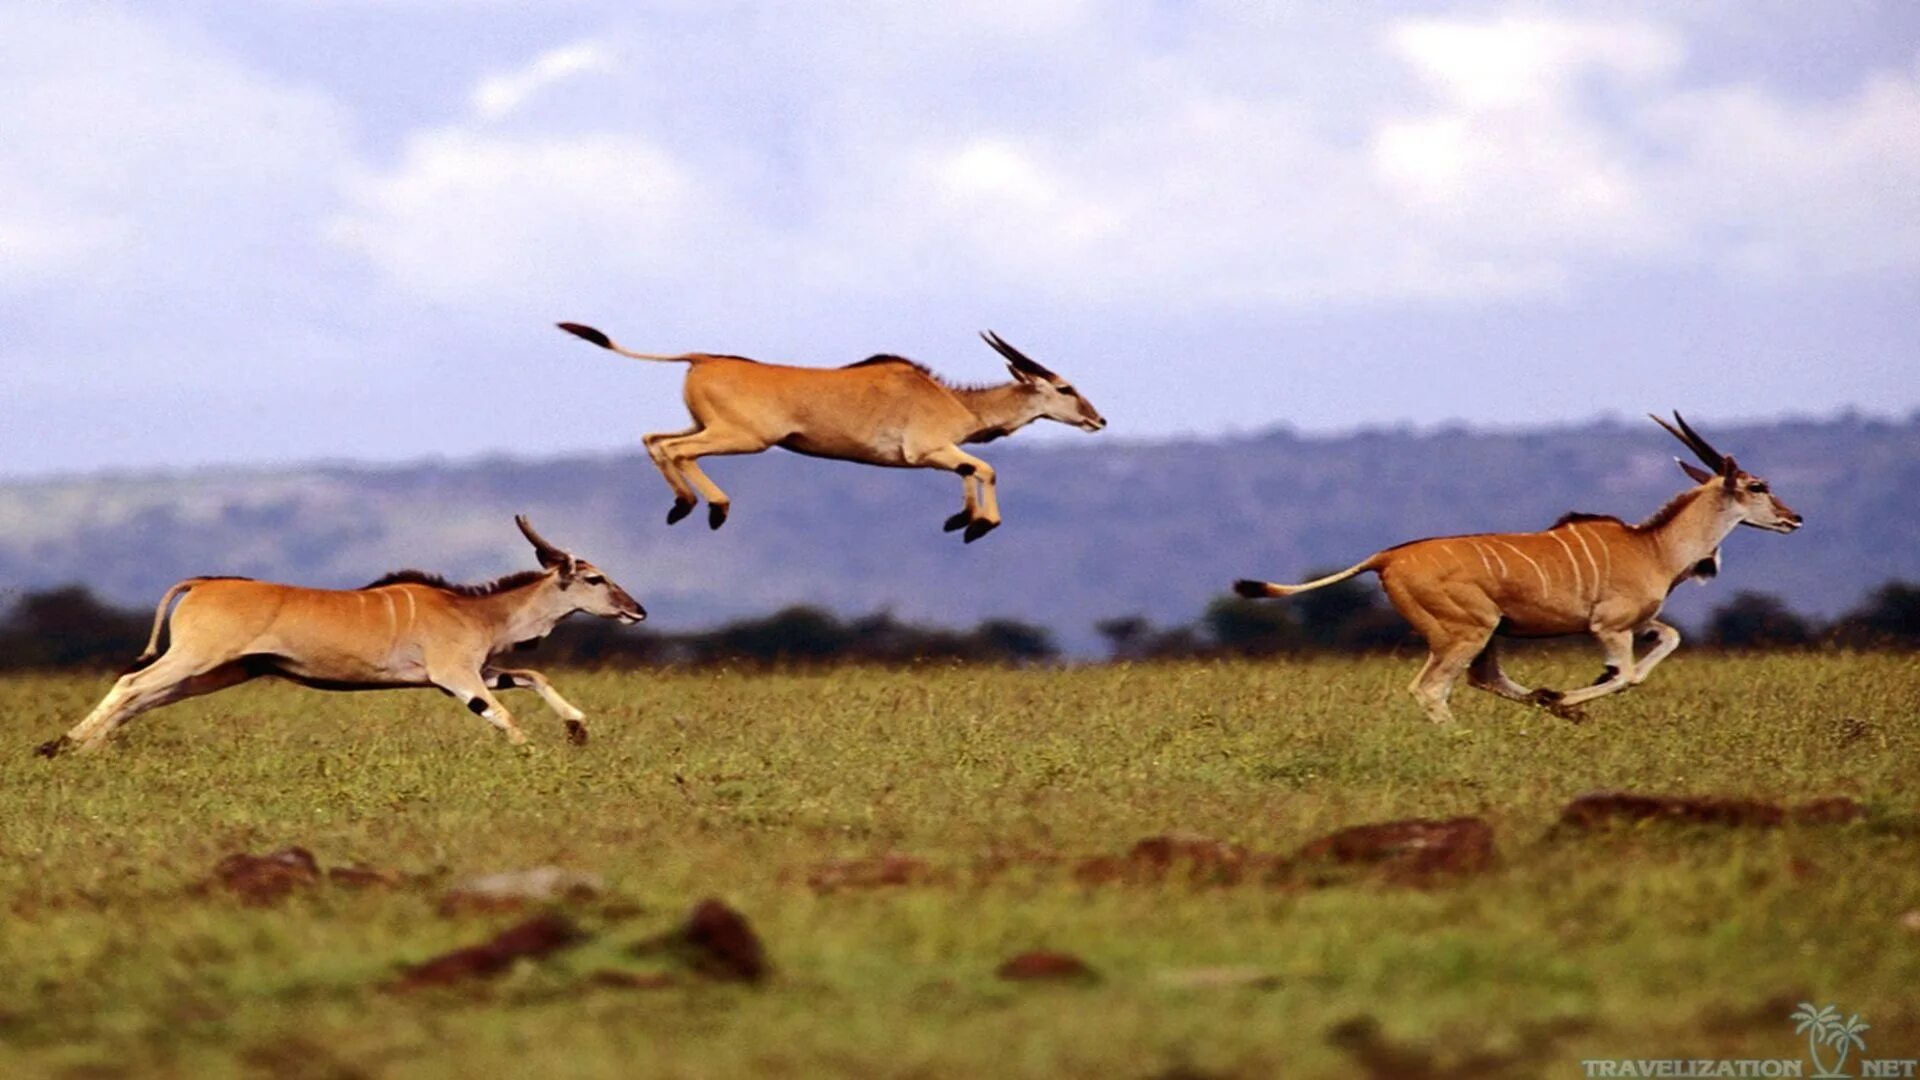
{"x": 498, "y": 95}
{"x": 1459, "y": 159}
{"x": 125, "y": 138}
{"x": 472, "y": 216}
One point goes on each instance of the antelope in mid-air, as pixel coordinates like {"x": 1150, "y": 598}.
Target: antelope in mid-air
{"x": 884, "y": 410}
{"x": 1587, "y": 574}
{"x": 408, "y": 629}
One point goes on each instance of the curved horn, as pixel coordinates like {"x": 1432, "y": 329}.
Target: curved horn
{"x": 1691, "y": 439}
{"x": 1714, "y": 459}
{"x": 1015, "y": 357}
{"x": 547, "y": 553}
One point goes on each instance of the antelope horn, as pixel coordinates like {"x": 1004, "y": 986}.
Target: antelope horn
{"x": 539, "y": 542}
{"x": 1713, "y": 458}
{"x": 1691, "y": 439}
{"x": 1015, "y": 357}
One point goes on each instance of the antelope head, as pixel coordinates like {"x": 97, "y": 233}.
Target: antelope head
{"x": 1056, "y": 399}
{"x": 1746, "y": 497}
{"x": 597, "y": 594}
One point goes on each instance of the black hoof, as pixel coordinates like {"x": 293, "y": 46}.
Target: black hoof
{"x": 716, "y": 515}
{"x": 1546, "y": 698}
{"x": 679, "y": 512}
{"x": 1250, "y": 589}
{"x": 957, "y": 521}
{"x": 576, "y": 733}
{"x": 978, "y": 528}
{"x": 52, "y": 747}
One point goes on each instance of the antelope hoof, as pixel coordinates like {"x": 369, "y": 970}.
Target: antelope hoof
{"x": 52, "y": 747}
{"x": 576, "y": 733}
{"x": 1553, "y": 702}
{"x": 679, "y": 512}
{"x": 957, "y": 521}
{"x": 716, "y": 515}
{"x": 978, "y": 528}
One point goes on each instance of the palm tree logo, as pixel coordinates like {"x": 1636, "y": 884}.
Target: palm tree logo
{"x": 1823, "y": 1027}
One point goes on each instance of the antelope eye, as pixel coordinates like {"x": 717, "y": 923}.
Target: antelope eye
{"x": 1757, "y": 489}
{"x": 594, "y": 579}
{"x": 1067, "y": 390}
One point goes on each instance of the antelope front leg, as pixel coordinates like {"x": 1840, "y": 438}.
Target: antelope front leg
{"x": 983, "y": 515}
{"x": 1669, "y": 641}
{"x": 969, "y": 510}
{"x": 1619, "y": 674}
{"x": 471, "y": 689}
{"x": 524, "y": 679}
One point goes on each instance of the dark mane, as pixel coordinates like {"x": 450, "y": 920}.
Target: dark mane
{"x": 435, "y": 581}
{"x": 889, "y": 358}
{"x": 1574, "y": 517}
{"x": 1670, "y": 511}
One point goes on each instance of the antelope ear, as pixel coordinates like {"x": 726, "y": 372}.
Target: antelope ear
{"x": 1022, "y": 376}
{"x": 1730, "y": 472}
{"x": 1694, "y": 472}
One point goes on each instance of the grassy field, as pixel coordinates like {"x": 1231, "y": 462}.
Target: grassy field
{"x": 1647, "y": 942}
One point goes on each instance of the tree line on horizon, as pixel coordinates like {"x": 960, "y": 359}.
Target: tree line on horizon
{"x": 69, "y": 627}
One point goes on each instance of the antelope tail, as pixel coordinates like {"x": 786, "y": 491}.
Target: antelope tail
{"x": 160, "y": 620}
{"x": 1254, "y": 590}
{"x": 588, "y": 333}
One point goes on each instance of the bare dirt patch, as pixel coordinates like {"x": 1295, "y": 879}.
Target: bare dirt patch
{"x": 1414, "y": 851}
{"x": 263, "y": 880}
{"x": 1043, "y": 965}
{"x": 537, "y": 937}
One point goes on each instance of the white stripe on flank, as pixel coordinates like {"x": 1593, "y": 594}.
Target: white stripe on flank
{"x": 409, "y": 595}
{"x": 1502, "y": 562}
{"x": 1530, "y": 562}
{"x": 1579, "y": 586}
{"x": 386, "y": 596}
{"x": 1591, "y": 564}
{"x": 1482, "y": 551}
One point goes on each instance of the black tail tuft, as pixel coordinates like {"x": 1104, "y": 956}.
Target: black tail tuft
{"x": 1252, "y": 590}
{"x": 587, "y": 332}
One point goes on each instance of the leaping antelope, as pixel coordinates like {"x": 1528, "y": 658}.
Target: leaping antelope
{"x": 1587, "y": 574}
{"x": 408, "y": 629}
{"x": 884, "y": 410}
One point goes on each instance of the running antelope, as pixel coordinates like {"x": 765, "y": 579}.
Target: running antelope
{"x": 408, "y": 629}
{"x": 884, "y": 410}
{"x": 1587, "y": 574}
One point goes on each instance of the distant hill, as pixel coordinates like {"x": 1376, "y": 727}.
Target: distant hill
{"x": 1096, "y": 527}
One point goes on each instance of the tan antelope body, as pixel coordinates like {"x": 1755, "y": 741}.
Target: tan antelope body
{"x": 1587, "y": 574}
{"x": 885, "y": 410}
{"x": 407, "y": 629}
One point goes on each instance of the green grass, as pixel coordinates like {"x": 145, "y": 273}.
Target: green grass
{"x": 1648, "y": 943}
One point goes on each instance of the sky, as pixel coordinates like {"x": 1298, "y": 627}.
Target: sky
{"x": 266, "y": 231}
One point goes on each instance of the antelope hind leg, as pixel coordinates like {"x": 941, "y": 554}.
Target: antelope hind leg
{"x": 684, "y": 499}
